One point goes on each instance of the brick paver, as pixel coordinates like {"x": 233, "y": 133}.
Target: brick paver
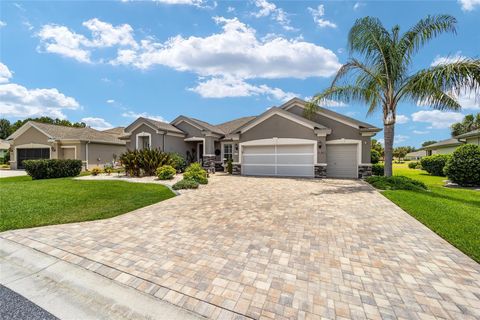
{"x": 267, "y": 248}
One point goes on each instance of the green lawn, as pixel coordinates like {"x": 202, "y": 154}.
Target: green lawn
{"x": 452, "y": 213}
{"x": 29, "y": 203}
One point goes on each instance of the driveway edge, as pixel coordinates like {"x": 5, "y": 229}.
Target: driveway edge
{"x": 65, "y": 289}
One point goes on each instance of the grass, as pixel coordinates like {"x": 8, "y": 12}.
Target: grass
{"x": 452, "y": 213}
{"x": 32, "y": 203}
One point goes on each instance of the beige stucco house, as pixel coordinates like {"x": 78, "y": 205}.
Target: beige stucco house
{"x": 472, "y": 137}
{"x": 449, "y": 145}
{"x": 36, "y": 140}
{"x": 278, "y": 142}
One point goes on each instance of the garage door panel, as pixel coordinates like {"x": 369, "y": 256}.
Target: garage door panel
{"x": 302, "y": 148}
{"x": 259, "y": 159}
{"x": 295, "y": 171}
{"x": 256, "y": 170}
{"x": 295, "y": 159}
{"x": 342, "y": 161}
{"x": 259, "y": 149}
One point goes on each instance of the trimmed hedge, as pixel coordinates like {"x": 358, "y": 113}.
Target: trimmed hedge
{"x": 378, "y": 169}
{"x": 396, "y": 183}
{"x": 52, "y": 168}
{"x": 434, "y": 164}
{"x": 196, "y": 172}
{"x": 464, "y": 165}
{"x": 413, "y": 164}
{"x": 166, "y": 172}
{"x": 185, "y": 184}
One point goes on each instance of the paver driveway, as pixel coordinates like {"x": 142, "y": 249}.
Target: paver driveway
{"x": 276, "y": 248}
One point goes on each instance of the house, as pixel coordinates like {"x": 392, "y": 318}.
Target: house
{"x": 278, "y": 142}
{"x": 442, "y": 147}
{"x": 35, "y": 140}
{"x": 4, "y": 146}
{"x": 416, "y": 155}
{"x": 472, "y": 137}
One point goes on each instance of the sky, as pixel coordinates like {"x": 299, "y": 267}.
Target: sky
{"x": 108, "y": 62}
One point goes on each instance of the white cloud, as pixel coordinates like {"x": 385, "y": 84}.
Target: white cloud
{"x": 318, "y": 14}
{"x": 439, "y": 60}
{"x": 277, "y": 14}
{"x": 401, "y": 119}
{"x": 105, "y": 34}
{"x": 135, "y": 115}
{"x": 399, "y": 139}
{"x": 2, "y": 24}
{"x": 420, "y": 132}
{"x": 235, "y": 52}
{"x": 219, "y": 87}
{"x": 197, "y": 3}
{"x": 469, "y": 5}
{"x": 468, "y": 100}
{"x": 437, "y": 119}
{"x": 5, "y": 73}
{"x": 358, "y": 5}
{"x": 97, "y": 123}
{"x": 60, "y": 40}
{"x": 231, "y": 9}
{"x": 110, "y": 101}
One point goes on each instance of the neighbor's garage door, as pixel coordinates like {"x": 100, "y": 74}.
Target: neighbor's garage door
{"x": 31, "y": 154}
{"x": 342, "y": 161}
{"x": 278, "y": 160}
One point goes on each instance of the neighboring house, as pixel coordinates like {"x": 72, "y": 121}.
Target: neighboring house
{"x": 416, "y": 155}
{"x": 472, "y": 137}
{"x": 442, "y": 147}
{"x": 278, "y": 142}
{"x": 36, "y": 140}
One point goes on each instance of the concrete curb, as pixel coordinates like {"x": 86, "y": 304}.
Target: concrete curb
{"x": 68, "y": 291}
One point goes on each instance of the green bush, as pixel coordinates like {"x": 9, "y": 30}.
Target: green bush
{"x": 230, "y": 166}
{"x": 178, "y": 161}
{"x": 378, "y": 169}
{"x": 145, "y": 161}
{"x": 166, "y": 172}
{"x": 419, "y": 166}
{"x": 196, "y": 172}
{"x": 464, "y": 165}
{"x": 185, "y": 184}
{"x": 52, "y": 168}
{"x": 396, "y": 183}
{"x": 413, "y": 164}
{"x": 374, "y": 156}
{"x": 434, "y": 164}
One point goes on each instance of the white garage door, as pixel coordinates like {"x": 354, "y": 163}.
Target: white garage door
{"x": 342, "y": 161}
{"x": 278, "y": 160}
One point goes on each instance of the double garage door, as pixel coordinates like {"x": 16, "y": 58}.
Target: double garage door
{"x": 293, "y": 160}
{"x": 31, "y": 154}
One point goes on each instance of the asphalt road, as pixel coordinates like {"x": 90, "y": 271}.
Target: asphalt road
{"x": 15, "y": 307}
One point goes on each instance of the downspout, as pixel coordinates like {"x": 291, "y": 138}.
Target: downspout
{"x": 86, "y": 154}
{"x": 164, "y": 141}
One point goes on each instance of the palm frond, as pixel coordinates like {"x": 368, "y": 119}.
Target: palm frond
{"x": 352, "y": 66}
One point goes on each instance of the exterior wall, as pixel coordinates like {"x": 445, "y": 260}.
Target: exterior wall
{"x": 209, "y": 146}
{"x": 63, "y": 153}
{"x": 339, "y": 131}
{"x": 31, "y": 138}
{"x": 156, "y": 142}
{"x": 446, "y": 150}
{"x": 176, "y": 144}
{"x": 100, "y": 154}
{"x": 190, "y": 130}
{"x": 474, "y": 140}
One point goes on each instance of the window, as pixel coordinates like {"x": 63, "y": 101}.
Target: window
{"x": 145, "y": 142}
{"x": 228, "y": 151}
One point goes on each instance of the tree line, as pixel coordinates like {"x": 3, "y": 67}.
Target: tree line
{"x": 7, "y": 128}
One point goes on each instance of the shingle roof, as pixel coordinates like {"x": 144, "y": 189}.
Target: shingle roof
{"x": 443, "y": 143}
{"x": 118, "y": 131}
{"x": 206, "y": 125}
{"x": 230, "y": 126}
{"x": 473, "y": 133}
{"x": 416, "y": 153}
{"x": 71, "y": 133}
{"x": 162, "y": 125}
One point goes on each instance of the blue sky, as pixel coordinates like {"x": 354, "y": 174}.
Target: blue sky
{"x": 107, "y": 62}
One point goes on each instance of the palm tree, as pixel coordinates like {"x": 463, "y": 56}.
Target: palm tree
{"x": 383, "y": 78}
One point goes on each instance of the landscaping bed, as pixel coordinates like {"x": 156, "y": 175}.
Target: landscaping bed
{"x": 31, "y": 203}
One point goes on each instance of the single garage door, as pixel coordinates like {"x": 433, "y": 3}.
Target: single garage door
{"x": 278, "y": 160}
{"x": 342, "y": 161}
{"x": 31, "y": 154}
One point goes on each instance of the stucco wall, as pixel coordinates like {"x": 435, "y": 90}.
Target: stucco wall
{"x": 156, "y": 142}
{"x": 63, "y": 152}
{"x": 99, "y": 154}
{"x": 176, "y": 144}
{"x": 31, "y": 138}
{"x": 446, "y": 150}
{"x": 190, "y": 130}
{"x": 475, "y": 140}
{"x": 339, "y": 131}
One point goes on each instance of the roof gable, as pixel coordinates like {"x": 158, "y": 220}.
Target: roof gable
{"x": 154, "y": 124}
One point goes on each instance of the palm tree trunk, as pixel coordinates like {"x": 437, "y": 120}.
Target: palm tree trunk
{"x": 388, "y": 131}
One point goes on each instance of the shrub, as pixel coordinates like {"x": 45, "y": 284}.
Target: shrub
{"x": 144, "y": 161}
{"x": 178, "y": 161}
{"x": 419, "y": 166}
{"x": 95, "y": 171}
{"x": 434, "y": 164}
{"x": 377, "y": 169}
{"x": 196, "y": 172}
{"x": 185, "y": 184}
{"x": 52, "y": 168}
{"x": 413, "y": 164}
{"x": 396, "y": 183}
{"x": 374, "y": 156}
{"x": 464, "y": 165}
{"x": 230, "y": 166}
{"x": 108, "y": 169}
{"x": 166, "y": 172}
